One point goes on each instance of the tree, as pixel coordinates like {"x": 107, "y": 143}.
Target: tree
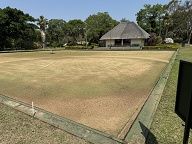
{"x": 75, "y": 29}
{"x": 99, "y": 24}
{"x": 180, "y": 15}
{"x": 42, "y": 22}
{"x": 124, "y": 20}
{"x": 15, "y": 26}
{"x": 151, "y": 18}
{"x": 57, "y": 31}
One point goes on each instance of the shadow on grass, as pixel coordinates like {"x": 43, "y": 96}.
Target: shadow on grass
{"x": 150, "y": 137}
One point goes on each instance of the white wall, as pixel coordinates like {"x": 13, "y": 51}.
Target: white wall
{"x": 108, "y": 42}
{"x": 141, "y": 42}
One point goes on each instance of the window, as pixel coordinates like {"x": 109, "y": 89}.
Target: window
{"x": 118, "y": 42}
{"x": 127, "y": 42}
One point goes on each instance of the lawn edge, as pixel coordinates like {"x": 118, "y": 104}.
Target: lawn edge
{"x": 89, "y": 134}
{"x": 140, "y": 128}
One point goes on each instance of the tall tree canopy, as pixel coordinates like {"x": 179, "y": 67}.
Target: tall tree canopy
{"x": 171, "y": 20}
{"x": 15, "y": 26}
{"x": 42, "y": 23}
{"x": 98, "y": 24}
{"x": 75, "y": 29}
{"x": 180, "y": 19}
{"x": 57, "y": 31}
{"x": 150, "y": 18}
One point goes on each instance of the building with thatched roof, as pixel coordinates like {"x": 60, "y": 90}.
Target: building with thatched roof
{"x": 126, "y": 34}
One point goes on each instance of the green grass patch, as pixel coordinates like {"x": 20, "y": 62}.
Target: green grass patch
{"x": 167, "y": 126}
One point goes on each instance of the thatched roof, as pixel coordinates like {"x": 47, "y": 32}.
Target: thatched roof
{"x": 126, "y": 30}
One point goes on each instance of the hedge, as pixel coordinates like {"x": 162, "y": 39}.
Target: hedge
{"x": 78, "y": 47}
{"x": 163, "y": 46}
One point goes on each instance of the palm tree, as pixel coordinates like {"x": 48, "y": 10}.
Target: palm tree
{"x": 42, "y": 22}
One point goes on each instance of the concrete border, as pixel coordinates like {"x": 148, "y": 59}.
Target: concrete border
{"x": 140, "y": 128}
{"x": 79, "y": 130}
{"x": 136, "y": 134}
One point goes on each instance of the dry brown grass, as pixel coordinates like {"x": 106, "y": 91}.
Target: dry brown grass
{"x": 19, "y": 128}
{"x": 102, "y": 90}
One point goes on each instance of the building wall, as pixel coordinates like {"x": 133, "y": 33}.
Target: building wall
{"x": 141, "y": 42}
{"x": 108, "y": 42}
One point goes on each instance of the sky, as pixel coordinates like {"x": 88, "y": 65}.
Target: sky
{"x": 80, "y": 9}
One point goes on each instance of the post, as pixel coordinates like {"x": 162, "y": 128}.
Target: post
{"x": 110, "y": 39}
{"x": 188, "y": 123}
{"x": 33, "y": 110}
{"x": 86, "y": 36}
{"x": 85, "y": 32}
{"x": 110, "y": 36}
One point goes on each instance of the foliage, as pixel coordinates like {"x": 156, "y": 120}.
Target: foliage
{"x": 162, "y": 46}
{"x": 101, "y": 43}
{"x": 178, "y": 40}
{"x": 75, "y": 29}
{"x": 124, "y": 20}
{"x": 99, "y": 24}
{"x": 154, "y": 40}
{"x": 78, "y": 47}
{"x": 42, "y": 22}
{"x": 16, "y": 27}
{"x": 150, "y": 18}
{"x": 54, "y": 44}
{"x": 172, "y": 20}
{"x": 181, "y": 16}
{"x": 36, "y": 45}
{"x": 57, "y": 32}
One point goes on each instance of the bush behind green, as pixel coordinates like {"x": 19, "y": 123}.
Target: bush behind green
{"x": 78, "y": 47}
{"x": 162, "y": 46}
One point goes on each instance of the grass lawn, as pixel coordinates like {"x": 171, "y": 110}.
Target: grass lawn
{"x": 19, "y": 128}
{"x": 103, "y": 90}
{"x": 167, "y": 126}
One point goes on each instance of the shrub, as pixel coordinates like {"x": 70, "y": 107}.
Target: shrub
{"x": 36, "y": 45}
{"x": 54, "y": 44}
{"x": 154, "y": 40}
{"x": 162, "y": 47}
{"x": 94, "y": 45}
{"x": 77, "y": 47}
{"x": 178, "y": 40}
{"x": 71, "y": 43}
{"x": 102, "y": 43}
{"x": 159, "y": 40}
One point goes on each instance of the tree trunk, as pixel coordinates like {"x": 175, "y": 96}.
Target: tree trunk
{"x": 189, "y": 37}
{"x": 43, "y": 38}
{"x": 166, "y": 32}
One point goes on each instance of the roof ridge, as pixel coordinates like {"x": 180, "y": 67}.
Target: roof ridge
{"x": 140, "y": 29}
{"x": 125, "y": 30}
